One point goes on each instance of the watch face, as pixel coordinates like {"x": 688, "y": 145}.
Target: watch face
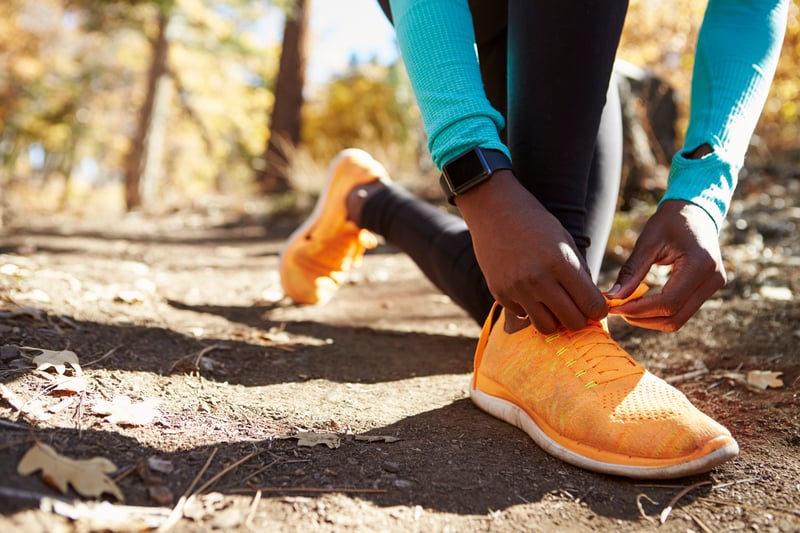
{"x": 465, "y": 168}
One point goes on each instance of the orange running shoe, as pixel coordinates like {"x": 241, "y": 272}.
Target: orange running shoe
{"x": 583, "y": 399}
{"x": 320, "y": 254}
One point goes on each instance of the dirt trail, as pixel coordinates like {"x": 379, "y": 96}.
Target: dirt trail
{"x": 190, "y": 305}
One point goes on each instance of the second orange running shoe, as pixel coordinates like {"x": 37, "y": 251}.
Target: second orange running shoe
{"x": 584, "y": 400}
{"x": 320, "y": 254}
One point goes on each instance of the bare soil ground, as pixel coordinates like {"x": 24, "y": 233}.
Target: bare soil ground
{"x": 186, "y": 309}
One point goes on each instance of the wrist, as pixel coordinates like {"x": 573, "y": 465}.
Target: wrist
{"x": 498, "y": 193}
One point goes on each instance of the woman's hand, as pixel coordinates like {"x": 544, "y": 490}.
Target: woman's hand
{"x": 530, "y": 262}
{"x": 683, "y": 235}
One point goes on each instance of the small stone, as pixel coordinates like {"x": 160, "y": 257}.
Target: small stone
{"x": 9, "y": 351}
{"x": 390, "y": 466}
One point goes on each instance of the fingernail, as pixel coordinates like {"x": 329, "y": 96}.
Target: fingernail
{"x": 614, "y": 290}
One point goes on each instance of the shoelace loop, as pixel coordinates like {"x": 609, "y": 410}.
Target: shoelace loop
{"x": 601, "y": 354}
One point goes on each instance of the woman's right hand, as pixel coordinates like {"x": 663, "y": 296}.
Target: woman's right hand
{"x": 530, "y": 262}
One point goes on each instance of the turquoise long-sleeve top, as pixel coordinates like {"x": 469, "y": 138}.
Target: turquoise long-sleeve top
{"x": 735, "y": 60}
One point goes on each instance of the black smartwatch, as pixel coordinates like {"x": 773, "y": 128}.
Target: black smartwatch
{"x": 472, "y": 167}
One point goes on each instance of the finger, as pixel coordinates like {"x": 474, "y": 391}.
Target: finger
{"x": 688, "y": 287}
{"x": 542, "y": 319}
{"x": 663, "y": 315}
{"x": 514, "y": 308}
{"x": 560, "y": 305}
{"x": 633, "y": 272}
{"x": 576, "y": 298}
{"x": 667, "y": 324}
{"x": 586, "y": 299}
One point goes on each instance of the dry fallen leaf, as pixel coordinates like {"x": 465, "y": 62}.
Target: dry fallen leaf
{"x": 33, "y": 409}
{"x": 124, "y": 412}
{"x": 60, "y": 406}
{"x": 105, "y": 516}
{"x": 56, "y": 359}
{"x": 88, "y": 477}
{"x": 331, "y": 440}
{"x": 69, "y": 386}
{"x": 376, "y": 438}
{"x": 764, "y": 378}
{"x": 216, "y": 511}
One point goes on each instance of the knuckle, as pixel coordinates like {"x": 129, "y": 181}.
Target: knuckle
{"x": 669, "y": 305}
{"x": 671, "y": 327}
{"x": 596, "y": 310}
{"x": 575, "y": 324}
{"x": 626, "y": 270}
{"x": 546, "y": 327}
{"x": 675, "y": 324}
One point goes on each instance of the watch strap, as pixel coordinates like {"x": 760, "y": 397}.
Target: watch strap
{"x": 470, "y": 169}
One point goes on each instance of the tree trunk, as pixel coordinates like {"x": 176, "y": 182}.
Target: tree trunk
{"x": 285, "y": 119}
{"x": 136, "y": 160}
{"x": 649, "y": 114}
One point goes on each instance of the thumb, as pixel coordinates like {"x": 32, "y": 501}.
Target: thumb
{"x": 632, "y": 273}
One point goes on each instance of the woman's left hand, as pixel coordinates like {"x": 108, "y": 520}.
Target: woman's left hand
{"x": 683, "y": 235}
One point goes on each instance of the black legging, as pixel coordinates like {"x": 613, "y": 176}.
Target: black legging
{"x": 541, "y": 64}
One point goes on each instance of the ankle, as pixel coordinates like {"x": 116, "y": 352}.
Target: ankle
{"x": 358, "y": 196}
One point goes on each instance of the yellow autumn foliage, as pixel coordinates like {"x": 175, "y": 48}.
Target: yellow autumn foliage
{"x": 661, "y": 35}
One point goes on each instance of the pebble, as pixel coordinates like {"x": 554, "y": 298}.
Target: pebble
{"x": 390, "y": 466}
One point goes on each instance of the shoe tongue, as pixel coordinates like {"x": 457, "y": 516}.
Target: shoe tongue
{"x": 604, "y": 355}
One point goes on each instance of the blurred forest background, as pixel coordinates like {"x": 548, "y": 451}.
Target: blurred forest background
{"x": 120, "y": 105}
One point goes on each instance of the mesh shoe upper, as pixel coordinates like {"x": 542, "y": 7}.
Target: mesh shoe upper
{"x": 590, "y": 400}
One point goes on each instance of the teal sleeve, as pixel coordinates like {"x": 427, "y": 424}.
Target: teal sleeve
{"x": 735, "y": 60}
{"x": 437, "y": 44}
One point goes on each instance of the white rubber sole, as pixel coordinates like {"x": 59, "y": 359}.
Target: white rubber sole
{"x": 508, "y": 412}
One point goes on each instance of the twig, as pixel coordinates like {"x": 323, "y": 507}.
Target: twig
{"x": 257, "y": 472}
{"x": 687, "y": 376}
{"x": 16, "y": 443}
{"x": 738, "y": 481}
{"x": 698, "y": 521}
{"x": 197, "y": 355}
{"x": 125, "y": 473}
{"x": 79, "y": 414}
{"x": 12, "y": 425}
{"x": 17, "y": 494}
{"x": 344, "y": 490}
{"x": 583, "y": 496}
{"x": 641, "y": 508}
{"x": 206, "y": 350}
{"x": 177, "y": 511}
{"x": 225, "y": 470}
{"x": 748, "y": 507}
{"x": 201, "y": 472}
{"x": 253, "y": 506}
{"x": 104, "y": 356}
{"x": 668, "y": 509}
